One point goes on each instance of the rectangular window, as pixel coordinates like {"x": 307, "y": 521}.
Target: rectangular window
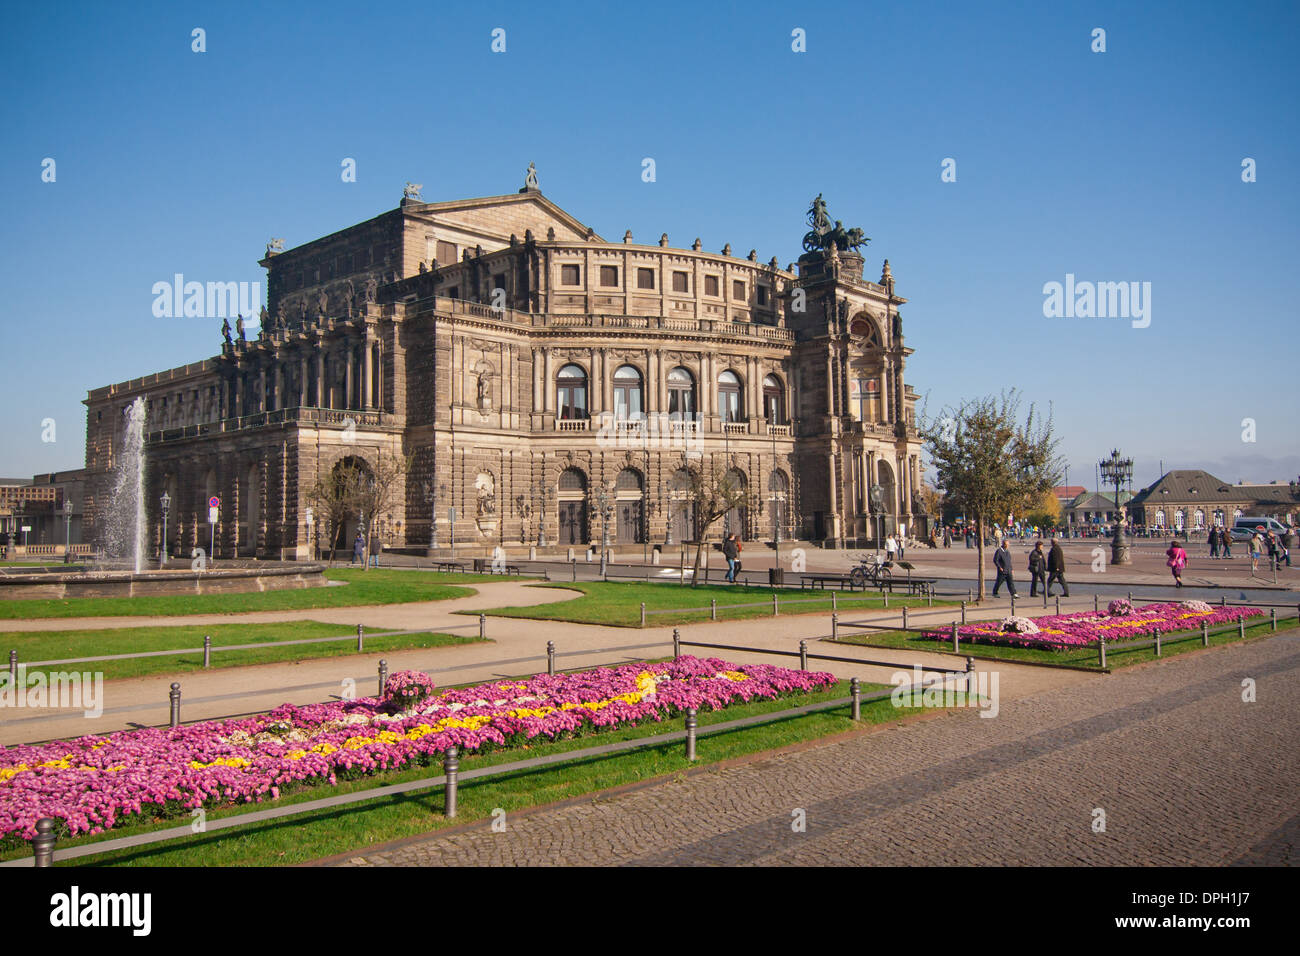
{"x": 645, "y": 278}
{"x": 680, "y": 283}
{"x": 446, "y": 252}
{"x": 609, "y": 276}
{"x": 571, "y": 275}
{"x": 762, "y": 295}
{"x": 499, "y": 281}
{"x": 738, "y": 290}
{"x": 453, "y": 292}
{"x": 711, "y": 286}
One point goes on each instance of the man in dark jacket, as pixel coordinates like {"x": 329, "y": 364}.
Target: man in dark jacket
{"x": 1037, "y": 569}
{"x": 1056, "y": 569}
{"x": 1002, "y": 561}
{"x": 731, "y": 551}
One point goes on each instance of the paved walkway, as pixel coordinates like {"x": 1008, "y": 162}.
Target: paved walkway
{"x": 518, "y": 647}
{"x": 1185, "y": 772}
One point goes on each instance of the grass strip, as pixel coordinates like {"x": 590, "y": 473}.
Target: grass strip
{"x": 361, "y": 587}
{"x": 618, "y": 603}
{"x": 62, "y": 645}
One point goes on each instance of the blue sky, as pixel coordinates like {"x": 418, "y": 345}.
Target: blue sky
{"x": 1115, "y": 166}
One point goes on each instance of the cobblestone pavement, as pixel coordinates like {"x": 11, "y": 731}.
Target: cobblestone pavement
{"x": 1185, "y": 771}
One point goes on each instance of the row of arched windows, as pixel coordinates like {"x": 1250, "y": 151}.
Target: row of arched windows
{"x": 571, "y": 399}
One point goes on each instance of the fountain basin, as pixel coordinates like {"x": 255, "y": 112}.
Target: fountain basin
{"x": 257, "y": 576}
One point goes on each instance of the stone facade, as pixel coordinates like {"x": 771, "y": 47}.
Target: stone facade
{"x": 522, "y": 363}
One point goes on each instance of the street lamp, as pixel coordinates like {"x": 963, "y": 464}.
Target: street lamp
{"x": 877, "y": 505}
{"x": 431, "y": 499}
{"x": 1117, "y": 471}
{"x": 67, "y": 531}
{"x": 605, "y": 507}
{"x": 166, "y": 502}
{"x": 310, "y": 518}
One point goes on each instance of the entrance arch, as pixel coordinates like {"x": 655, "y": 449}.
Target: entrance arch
{"x": 571, "y": 494}
{"x": 629, "y": 495}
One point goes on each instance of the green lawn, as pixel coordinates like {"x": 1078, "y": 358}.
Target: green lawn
{"x": 1078, "y": 657}
{"x": 362, "y": 587}
{"x": 314, "y": 835}
{"x": 61, "y": 645}
{"x": 619, "y": 603}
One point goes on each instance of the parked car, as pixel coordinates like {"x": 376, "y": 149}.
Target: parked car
{"x": 1243, "y": 528}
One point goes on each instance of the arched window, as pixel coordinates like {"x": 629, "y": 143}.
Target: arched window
{"x": 1160, "y": 518}
{"x": 1199, "y": 518}
{"x": 773, "y": 400}
{"x": 1179, "y": 519}
{"x": 572, "y": 507}
{"x": 681, "y": 394}
{"x": 627, "y": 393}
{"x": 1236, "y": 514}
{"x": 571, "y": 392}
{"x": 1218, "y": 517}
{"x": 729, "y": 404}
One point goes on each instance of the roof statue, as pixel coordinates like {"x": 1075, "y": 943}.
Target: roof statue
{"x": 823, "y": 235}
{"x": 412, "y": 191}
{"x": 530, "y": 178}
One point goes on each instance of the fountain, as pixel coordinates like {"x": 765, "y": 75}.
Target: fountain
{"x": 120, "y": 571}
{"x": 124, "y": 518}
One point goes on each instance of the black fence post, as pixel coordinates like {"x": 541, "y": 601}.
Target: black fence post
{"x": 1272, "y": 616}
{"x": 482, "y": 627}
{"x": 677, "y": 643}
{"x": 803, "y": 655}
{"x": 207, "y": 651}
{"x": 450, "y": 769}
{"x": 383, "y": 677}
{"x": 175, "y": 697}
{"x": 361, "y": 637}
{"x": 1157, "y": 643}
{"x": 855, "y": 688}
{"x": 1241, "y": 628}
{"x": 43, "y": 842}
{"x": 713, "y": 609}
{"x": 1058, "y": 605}
{"x": 691, "y": 724}
{"x": 550, "y": 658}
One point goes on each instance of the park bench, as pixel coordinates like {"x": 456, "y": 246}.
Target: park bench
{"x": 450, "y": 566}
{"x": 820, "y": 581}
{"x": 914, "y": 585}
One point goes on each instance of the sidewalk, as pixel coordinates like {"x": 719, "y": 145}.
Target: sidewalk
{"x": 518, "y": 648}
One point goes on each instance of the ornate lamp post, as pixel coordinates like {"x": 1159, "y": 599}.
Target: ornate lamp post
{"x": 431, "y": 499}
{"x": 67, "y": 530}
{"x": 1117, "y": 471}
{"x": 166, "y": 502}
{"x": 877, "y": 505}
{"x": 542, "y": 495}
{"x": 605, "y": 508}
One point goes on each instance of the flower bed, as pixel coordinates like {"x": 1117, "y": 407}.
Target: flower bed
{"x": 1066, "y": 631}
{"x": 95, "y": 783}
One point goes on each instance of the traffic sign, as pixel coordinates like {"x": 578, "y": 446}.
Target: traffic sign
{"x": 214, "y": 515}
{"x": 214, "y": 502}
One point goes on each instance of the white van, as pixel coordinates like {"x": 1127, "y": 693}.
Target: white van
{"x": 1243, "y": 528}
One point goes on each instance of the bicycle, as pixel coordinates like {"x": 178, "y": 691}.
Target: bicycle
{"x": 871, "y": 570}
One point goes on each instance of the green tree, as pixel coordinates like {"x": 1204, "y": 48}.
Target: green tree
{"x": 987, "y": 463}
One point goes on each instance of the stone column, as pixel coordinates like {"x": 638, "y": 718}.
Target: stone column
{"x": 367, "y": 392}
{"x": 303, "y": 381}
{"x": 262, "y": 403}
{"x": 349, "y": 378}
{"x": 320, "y": 375}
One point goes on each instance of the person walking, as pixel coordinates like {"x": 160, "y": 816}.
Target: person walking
{"x": 969, "y": 535}
{"x": 731, "y": 551}
{"x": 359, "y": 549}
{"x": 1214, "y": 544}
{"x": 1288, "y": 539}
{"x": 1002, "y": 561}
{"x": 1037, "y": 569}
{"x": 375, "y": 547}
{"x": 1056, "y": 569}
{"x": 1256, "y": 548}
{"x": 947, "y": 537}
{"x": 1225, "y": 538}
{"x": 891, "y": 545}
{"x": 1177, "y": 560}
{"x": 1270, "y": 542}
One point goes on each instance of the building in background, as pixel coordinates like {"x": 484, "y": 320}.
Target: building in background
{"x": 528, "y": 368}
{"x": 43, "y": 504}
{"x": 1194, "y": 501}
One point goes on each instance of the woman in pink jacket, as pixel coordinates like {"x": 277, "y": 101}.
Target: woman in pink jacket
{"x": 1177, "y": 561}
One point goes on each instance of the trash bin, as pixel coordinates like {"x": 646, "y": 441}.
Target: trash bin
{"x": 776, "y": 576}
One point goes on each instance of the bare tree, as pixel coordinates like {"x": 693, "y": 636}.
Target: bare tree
{"x": 334, "y": 496}
{"x": 713, "y": 491}
{"x": 987, "y": 463}
{"x": 377, "y": 488}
